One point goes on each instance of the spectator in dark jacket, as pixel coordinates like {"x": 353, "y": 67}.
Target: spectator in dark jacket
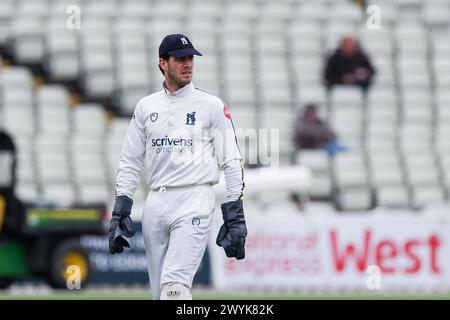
{"x": 349, "y": 65}
{"x": 311, "y": 132}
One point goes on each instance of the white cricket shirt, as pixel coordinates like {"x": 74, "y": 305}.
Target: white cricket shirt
{"x": 187, "y": 137}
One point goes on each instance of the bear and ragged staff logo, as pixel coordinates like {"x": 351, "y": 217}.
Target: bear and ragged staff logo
{"x": 190, "y": 118}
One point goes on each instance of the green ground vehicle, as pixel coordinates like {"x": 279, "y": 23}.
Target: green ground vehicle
{"x": 49, "y": 242}
{"x": 41, "y": 241}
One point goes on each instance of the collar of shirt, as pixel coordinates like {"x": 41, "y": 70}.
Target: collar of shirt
{"x": 180, "y": 92}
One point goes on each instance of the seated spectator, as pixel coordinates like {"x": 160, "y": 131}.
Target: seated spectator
{"x": 349, "y": 65}
{"x": 311, "y": 132}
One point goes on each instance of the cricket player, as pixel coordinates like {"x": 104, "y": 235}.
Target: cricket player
{"x": 183, "y": 136}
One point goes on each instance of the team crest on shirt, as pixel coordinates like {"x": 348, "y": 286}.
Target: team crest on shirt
{"x": 226, "y": 112}
{"x": 190, "y": 118}
{"x": 153, "y": 116}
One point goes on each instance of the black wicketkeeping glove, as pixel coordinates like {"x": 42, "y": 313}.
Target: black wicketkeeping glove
{"x": 121, "y": 225}
{"x": 233, "y": 232}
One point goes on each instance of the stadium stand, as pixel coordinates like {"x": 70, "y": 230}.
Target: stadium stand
{"x": 264, "y": 58}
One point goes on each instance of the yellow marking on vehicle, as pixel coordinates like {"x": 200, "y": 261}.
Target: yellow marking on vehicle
{"x": 64, "y": 214}
{"x": 2, "y": 211}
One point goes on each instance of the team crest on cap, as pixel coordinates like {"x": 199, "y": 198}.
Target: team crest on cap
{"x": 184, "y": 41}
{"x": 153, "y": 116}
{"x": 226, "y": 112}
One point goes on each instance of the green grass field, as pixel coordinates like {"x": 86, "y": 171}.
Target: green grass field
{"x": 123, "y": 295}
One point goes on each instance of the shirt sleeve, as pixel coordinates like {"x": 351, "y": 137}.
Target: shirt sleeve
{"x": 223, "y": 135}
{"x": 132, "y": 157}
{"x": 234, "y": 180}
{"x": 227, "y": 151}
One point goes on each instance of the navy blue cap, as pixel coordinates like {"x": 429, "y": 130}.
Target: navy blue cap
{"x": 177, "y": 45}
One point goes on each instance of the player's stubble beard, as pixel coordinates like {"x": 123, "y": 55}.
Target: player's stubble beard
{"x": 173, "y": 79}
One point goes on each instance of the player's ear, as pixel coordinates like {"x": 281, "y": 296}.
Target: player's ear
{"x": 163, "y": 64}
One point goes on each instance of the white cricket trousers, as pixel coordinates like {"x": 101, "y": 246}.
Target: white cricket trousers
{"x": 175, "y": 225}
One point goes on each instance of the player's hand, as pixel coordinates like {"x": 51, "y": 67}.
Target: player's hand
{"x": 121, "y": 225}
{"x": 233, "y": 232}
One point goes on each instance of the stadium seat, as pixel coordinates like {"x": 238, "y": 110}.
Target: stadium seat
{"x": 94, "y": 193}
{"x": 275, "y": 11}
{"x": 243, "y": 118}
{"x": 385, "y": 76}
{"x": 15, "y": 77}
{"x": 345, "y": 11}
{"x": 24, "y": 145}
{"x": 393, "y": 197}
{"x": 97, "y": 67}
{"x": 386, "y": 170}
{"x": 318, "y": 162}
{"x": 410, "y": 30}
{"x": 415, "y": 136}
{"x": 134, "y": 9}
{"x": 53, "y": 169}
{"x": 61, "y": 49}
{"x": 427, "y": 195}
{"x": 81, "y": 143}
{"x": 103, "y": 9}
{"x": 204, "y": 9}
{"x": 35, "y": 8}
{"x": 354, "y": 198}
{"x": 61, "y": 194}
{"x": 350, "y": 170}
{"x": 52, "y": 96}
{"x": 377, "y": 44}
{"x": 19, "y": 120}
{"x": 441, "y": 137}
{"x": 206, "y": 75}
{"x": 54, "y": 120}
{"x": 53, "y": 110}
{"x": 128, "y": 26}
{"x": 235, "y": 42}
{"x": 444, "y": 156}
{"x": 384, "y": 114}
{"x": 382, "y": 96}
{"x": 307, "y": 71}
{"x": 440, "y": 44}
{"x": 306, "y": 30}
{"x": 416, "y": 106}
{"x": 89, "y": 119}
{"x": 311, "y": 11}
{"x": 88, "y": 168}
{"x": 270, "y": 42}
{"x": 436, "y": 14}
{"x": 22, "y": 96}
{"x": 28, "y": 39}
{"x": 346, "y": 97}
{"x": 274, "y": 85}
{"x": 27, "y": 192}
{"x": 411, "y": 48}
{"x": 114, "y": 139}
{"x": 421, "y": 170}
{"x": 25, "y": 169}
{"x": 441, "y": 70}
{"x": 7, "y": 8}
{"x": 312, "y": 94}
{"x": 277, "y": 122}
